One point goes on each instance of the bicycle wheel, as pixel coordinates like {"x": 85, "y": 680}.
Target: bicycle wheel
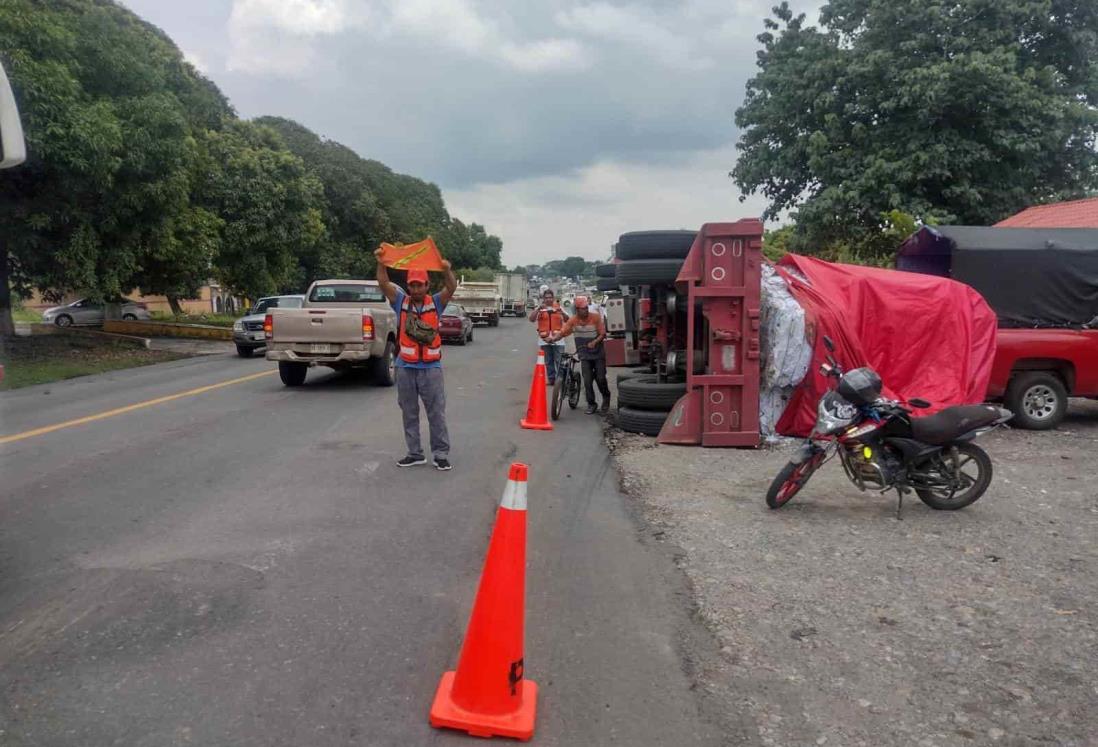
{"x": 558, "y": 396}
{"x": 574, "y": 390}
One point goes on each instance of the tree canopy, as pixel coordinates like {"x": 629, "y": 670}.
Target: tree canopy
{"x": 963, "y": 111}
{"x": 139, "y": 174}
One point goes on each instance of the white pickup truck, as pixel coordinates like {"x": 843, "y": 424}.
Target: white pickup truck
{"x": 341, "y": 324}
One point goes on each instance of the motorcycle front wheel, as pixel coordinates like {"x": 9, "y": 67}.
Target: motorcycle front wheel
{"x": 970, "y": 472}
{"x": 791, "y": 479}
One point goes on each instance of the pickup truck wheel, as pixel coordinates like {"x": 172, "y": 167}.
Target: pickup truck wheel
{"x": 244, "y": 351}
{"x": 1038, "y": 400}
{"x": 292, "y": 374}
{"x": 470, "y": 333}
{"x": 384, "y": 368}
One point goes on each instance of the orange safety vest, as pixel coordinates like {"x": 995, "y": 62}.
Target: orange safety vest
{"x": 549, "y": 321}
{"x": 410, "y": 350}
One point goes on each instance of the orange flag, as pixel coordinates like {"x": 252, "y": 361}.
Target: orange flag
{"x": 422, "y": 255}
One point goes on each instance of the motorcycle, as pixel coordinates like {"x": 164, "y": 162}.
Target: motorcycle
{"x": 883, "y": 447}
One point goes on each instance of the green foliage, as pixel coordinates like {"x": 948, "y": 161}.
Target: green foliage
{"x": 140, "y": 174}
{"x": 478, "y": 275}
{"x": 962, "y": 112}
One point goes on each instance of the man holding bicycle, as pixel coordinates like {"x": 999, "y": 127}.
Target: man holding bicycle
{"x": 590, "y": 330}
{"x": 550, "y": 318}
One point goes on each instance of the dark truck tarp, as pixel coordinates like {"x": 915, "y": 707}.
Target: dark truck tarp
{"x": 926, "y": 336}
{"x": 1031, "y": 277}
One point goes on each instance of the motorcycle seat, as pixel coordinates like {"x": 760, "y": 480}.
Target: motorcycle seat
{"x": 945, "y": 426}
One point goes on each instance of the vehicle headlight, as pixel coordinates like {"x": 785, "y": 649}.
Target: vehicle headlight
{"x": 238, "y": 326}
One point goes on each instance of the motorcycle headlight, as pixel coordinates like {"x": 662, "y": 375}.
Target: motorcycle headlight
{"x": 833, "y": 413}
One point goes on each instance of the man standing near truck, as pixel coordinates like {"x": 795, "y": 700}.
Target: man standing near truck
{"x": 419, "y": 360}
{"x": 550, "y": 318}
{"x": 590, "y": 331}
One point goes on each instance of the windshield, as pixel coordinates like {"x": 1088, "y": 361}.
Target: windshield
{"x": 349, "y": 293}
{"x": 276, "y": 303}
{"x": 451, "y": 310}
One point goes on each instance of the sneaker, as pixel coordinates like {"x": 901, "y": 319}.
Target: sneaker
{"x": 443, "y": 465}
{"x": 411, "y": 461}
{"x": 591, "y": 409}
{"x": 605, "y": 407}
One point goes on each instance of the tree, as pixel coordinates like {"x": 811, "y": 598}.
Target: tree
{"x": 571, "y": 267}
{"x": 109, "y": 109}
{"x": 960, "y": 112}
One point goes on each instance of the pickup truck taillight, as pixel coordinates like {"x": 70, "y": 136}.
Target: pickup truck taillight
{"x": 367, "y": 327}
{"x": 268, "y": 327}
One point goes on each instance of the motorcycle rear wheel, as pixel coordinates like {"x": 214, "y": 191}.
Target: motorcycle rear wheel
{"x": 791, "y": 479}
{"x": 970, "y": 457}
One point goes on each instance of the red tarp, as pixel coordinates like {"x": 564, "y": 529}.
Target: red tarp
{"x": 926, "y": 336}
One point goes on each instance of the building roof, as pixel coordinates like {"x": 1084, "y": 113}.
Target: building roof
{"x": 1073, "y": 214}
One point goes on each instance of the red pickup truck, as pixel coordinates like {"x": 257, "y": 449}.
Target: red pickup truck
{"x": 1036, "y": 370}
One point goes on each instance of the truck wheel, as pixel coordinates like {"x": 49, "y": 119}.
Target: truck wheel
{"x": 292, "y": 374}
{"x": 607, "y": 284}
{"x": 383, "y": 369}
{"x": 655, "y": 244}
{"x": 649, "y": 271}
{"x": 606, "y": 271}
{"x": 493, "y": 321}
{"x": 648, "y": 393}
{"x": 244, "y": 351}
{"x": 1038, "y": 400}
{"x": 641, "y": 421}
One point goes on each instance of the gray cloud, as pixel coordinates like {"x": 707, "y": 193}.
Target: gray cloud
{"x": 534, "y": 98}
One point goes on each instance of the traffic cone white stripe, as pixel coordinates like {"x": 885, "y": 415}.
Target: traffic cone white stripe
{"x": 514, "y": 496}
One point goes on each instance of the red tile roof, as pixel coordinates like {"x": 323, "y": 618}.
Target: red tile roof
{"x": 1074, "y": 214}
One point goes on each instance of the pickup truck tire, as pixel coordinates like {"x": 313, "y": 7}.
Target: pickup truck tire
{"x": 648, "y": 393}
{"x": 655, "y": 244}
{"x": 606, "y": 271}
{"x": 244, "y": 351}
{"x": 292, "y": 374}
{"x": 649, "y": 271}
{"x": 383, "y": 369}
{"x": 1038, "y": 400}
{"x": 641, "y": 421}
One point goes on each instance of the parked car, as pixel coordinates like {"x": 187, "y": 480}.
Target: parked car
{"x": 86, "y": 312}
{"x": 248, "y": 330}
{"x": 342, "y": 324}
{"x": 455, "y": 325}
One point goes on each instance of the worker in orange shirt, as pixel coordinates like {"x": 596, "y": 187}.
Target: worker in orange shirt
{"x": 550, "y": 318}
{"x": 590, "y": 330}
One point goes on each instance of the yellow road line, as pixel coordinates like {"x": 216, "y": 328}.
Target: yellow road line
{"x": 128, "y": 408}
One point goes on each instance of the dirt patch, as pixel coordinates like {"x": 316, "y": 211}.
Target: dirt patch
{"x": 839, "y": 624}
{"x": 40, "y": 359}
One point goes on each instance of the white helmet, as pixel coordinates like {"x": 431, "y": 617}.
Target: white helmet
{"x": 542, "y": 289}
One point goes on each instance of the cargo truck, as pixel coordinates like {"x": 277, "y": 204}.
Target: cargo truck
{"x": 481, "y": 301}
{"x": 512, "y": 291}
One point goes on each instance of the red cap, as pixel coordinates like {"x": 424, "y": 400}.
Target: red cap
{"x": 417, "y": 276}
{"x": 581, "y": 302}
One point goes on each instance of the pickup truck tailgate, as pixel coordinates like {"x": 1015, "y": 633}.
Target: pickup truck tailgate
{"x": 332, "y": 326}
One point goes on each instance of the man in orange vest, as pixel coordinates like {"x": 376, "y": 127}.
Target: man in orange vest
{"x": 419, "y": 362}
{"x": 550, "y": 318}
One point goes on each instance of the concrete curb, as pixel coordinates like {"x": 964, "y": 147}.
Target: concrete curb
{"x": 168, "y": 329}
{"x": 51, "y": 329}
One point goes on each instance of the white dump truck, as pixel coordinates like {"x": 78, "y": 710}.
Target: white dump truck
{"x": 481, "y": 301}
{"x": 512, "y": 291}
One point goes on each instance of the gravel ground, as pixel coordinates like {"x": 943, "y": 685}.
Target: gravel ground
{"x": 838, "y": 624}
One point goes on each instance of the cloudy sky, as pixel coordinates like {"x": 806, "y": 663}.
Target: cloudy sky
{"x": 558, "y": 124}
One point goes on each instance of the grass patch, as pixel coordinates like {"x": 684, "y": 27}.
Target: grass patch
{"x": 213, "y": 320}
{"x": 26, "y": 315}
{"x": 42, "y": 359}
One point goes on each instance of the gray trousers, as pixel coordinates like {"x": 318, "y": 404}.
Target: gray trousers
{"x": 414, "y": 384}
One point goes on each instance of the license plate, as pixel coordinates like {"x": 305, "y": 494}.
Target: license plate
{"x": 258, "y": 336}
{"x": 320, "y": 348}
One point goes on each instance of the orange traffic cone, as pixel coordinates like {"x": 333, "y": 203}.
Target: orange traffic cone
{"x": 488, "y": 695}
{"x": 537, "y": 413}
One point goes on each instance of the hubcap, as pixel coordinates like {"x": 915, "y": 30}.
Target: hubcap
{"x": 1039, "y": 402}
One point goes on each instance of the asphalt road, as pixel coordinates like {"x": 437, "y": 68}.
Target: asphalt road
{"x": 245, "y": 565}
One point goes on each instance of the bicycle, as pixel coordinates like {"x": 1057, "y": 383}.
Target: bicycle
{"x": 567, "y": 384}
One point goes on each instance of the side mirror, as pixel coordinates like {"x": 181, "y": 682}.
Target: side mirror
{"x": 13, "y": 148}
{"x": 829, "y": 344}
{"x": 920, "y": 404}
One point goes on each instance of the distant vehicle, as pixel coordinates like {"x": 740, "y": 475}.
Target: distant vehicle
{"x": 342, "y": 324}
{"x": 455, "y": 325}
{"x": 481, "y": 301}
{"x": 512, "y": 290}
{"x": 248, "y": 330}
{"x": 86, "y": 312}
